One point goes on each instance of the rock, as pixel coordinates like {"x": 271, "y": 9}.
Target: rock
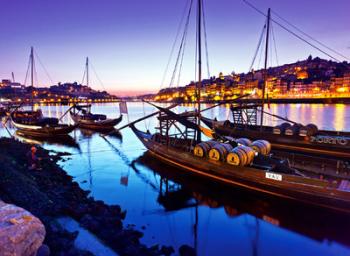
{"x": 21, "y": 233}
{"x": 167, "y": 250}
{"x": 186, "y": 250}
{"x": 43, "y": 250}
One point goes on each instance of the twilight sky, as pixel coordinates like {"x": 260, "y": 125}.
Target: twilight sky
{"x": 129, "y": 41}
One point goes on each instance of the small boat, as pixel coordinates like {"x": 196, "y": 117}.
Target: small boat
{"x": 83, "y": 118}
{"x": 237, "y": 163}
{"x": 32, "y": 122}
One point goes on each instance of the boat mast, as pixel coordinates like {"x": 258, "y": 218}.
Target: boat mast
{"x": 87, "y": 70}
{"x": 32, "y": 74}
{"x": 199, "y": 84}
{"x": 265, "y": 67}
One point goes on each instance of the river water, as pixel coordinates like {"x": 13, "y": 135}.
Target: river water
{"x": 172, "y": 209}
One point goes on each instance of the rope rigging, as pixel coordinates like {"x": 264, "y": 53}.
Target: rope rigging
{"x": 174, "y": 44}
{"x": 291, "y": 32}
{"x": 44, "y": 68}
{"x": 258, "y": 47}
{"x": 98, "y": 78}
{"x": 182, "y": 44}
{"x": 25, "y": 79}
{"x": 95, "y": 73}
{"x": 310, "y": 37}
{"x": 205, "y": 39}
{"x": 176, "y": 74}
{"x": 274, "y": 43}
{"x": 82, "y": 80}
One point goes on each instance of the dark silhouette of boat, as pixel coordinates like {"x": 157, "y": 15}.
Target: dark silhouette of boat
{"x": 32, "y": 122}
{"x": 64, "y": 140}
{"x": 82, "y": 117}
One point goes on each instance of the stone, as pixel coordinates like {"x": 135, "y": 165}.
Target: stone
{"x": 43, "y": 250}
{"x": 186, "y": 250}
{"x": 21, "y": 233}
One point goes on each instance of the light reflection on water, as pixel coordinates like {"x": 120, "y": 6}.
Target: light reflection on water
{"x": 117, "y": 172}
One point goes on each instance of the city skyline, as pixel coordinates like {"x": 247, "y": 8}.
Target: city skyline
{"x": 129, "y": 43}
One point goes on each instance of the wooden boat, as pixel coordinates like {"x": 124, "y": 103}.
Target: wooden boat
{"x": 85, "y": 119}
{"x": 259, "y": 178}
{"x": 32, "y": 123}
{"x": 178, "y": 143}
{"x": 322, "y": 142}
{"x": 290, "y": 135}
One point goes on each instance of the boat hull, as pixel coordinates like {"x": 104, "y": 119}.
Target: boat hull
{"x": 308, "y": 145}
{"x": 44, "y": 131}
{"x": 102, "y": 125}
{"x": 307, "y": 190}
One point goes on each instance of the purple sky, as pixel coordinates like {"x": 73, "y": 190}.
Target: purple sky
{"x": 129, "y": 41}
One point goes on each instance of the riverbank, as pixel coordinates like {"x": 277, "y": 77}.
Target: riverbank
{"x": 50, "y": 193}
{"x": 272, "y": 100}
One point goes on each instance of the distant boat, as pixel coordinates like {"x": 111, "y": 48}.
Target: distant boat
{"x": 32, "y": 122}
{"x": 82, "y": 117}
{"x": 237, "y": 162}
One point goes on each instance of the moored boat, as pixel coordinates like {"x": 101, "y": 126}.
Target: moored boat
{"x": 236, "y": 163}
{"x": 32, "y": 122}
{"x": 83, "y": 118}
{"x": 248, "y": 122}
{"x": 316, "y": 142}
{"x": 262, "y": 178}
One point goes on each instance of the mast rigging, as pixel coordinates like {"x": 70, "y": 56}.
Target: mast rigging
{"x": 265, "y": 67}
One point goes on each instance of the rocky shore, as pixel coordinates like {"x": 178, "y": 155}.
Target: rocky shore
{"x": 50, "y": 193}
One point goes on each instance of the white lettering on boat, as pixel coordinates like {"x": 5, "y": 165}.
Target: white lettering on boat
{"x": 273, "y": 176}
{"x": 330, "y": 140}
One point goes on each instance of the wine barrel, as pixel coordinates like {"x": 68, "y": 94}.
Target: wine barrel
{"x": 308, "y": 130}
{"x": 202, "y": 149}
{"x": 293, "y": 130}
{"x": 240, "y": 156}
{"x": 280, "y": 129}
{"x": 219, "y": 151}
{"x": 244, "y": 141}
{"x": 261, "y": 146}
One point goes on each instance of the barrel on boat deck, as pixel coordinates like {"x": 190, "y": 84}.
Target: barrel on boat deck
{"x": 293, "y": 130}
{"x": 240, "y": 156}
{"x": 261, "y": 146}
{"x": 280, "y": 129}
{"x": 202, "y": 149}
{"x": 308, "y": 130}
{"x": 244, "y": 141}
{"x": 219, "y": 151}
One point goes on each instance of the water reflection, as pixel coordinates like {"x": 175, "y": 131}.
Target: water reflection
{"x": 180, "y": 191}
